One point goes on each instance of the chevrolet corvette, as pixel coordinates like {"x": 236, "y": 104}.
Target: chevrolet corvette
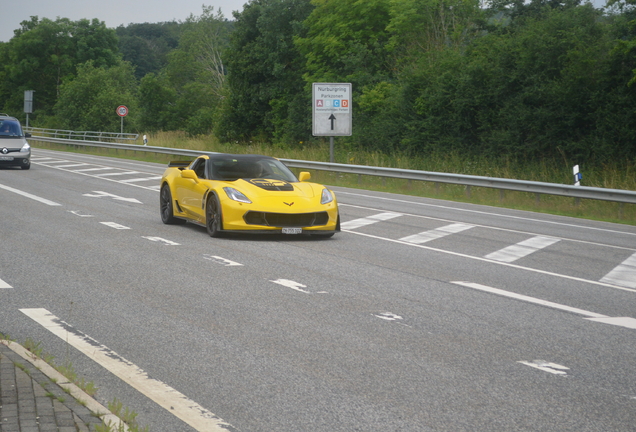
{"x": 246, "y": 193}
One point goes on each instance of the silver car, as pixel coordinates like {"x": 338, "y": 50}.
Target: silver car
{"x": 14, "y": 148}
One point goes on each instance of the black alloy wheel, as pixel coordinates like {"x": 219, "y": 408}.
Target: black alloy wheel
{"x": 213, "y": 216}
{"x": 165, "y": 207}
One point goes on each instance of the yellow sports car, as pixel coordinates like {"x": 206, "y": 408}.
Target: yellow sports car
{"x": 246, "y": 193}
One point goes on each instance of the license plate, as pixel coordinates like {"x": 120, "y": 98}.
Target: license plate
{"x": 6, "y": 158}
{"x": 292, "y": 230}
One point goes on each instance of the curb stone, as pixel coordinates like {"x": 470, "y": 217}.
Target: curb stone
{"x": 33, "y": 413}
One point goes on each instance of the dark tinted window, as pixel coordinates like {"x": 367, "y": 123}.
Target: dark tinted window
{"x": 10, "y": 127}
{"x": 248, "y": 167}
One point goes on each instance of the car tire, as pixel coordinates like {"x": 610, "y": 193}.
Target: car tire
{"x": 213, "y": 216}
{"x": 165, "y": 207}
{"x": 26, "y": 167}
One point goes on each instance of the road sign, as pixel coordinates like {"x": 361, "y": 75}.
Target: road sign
{"x": 331, "y": 109}
{"x": 122, "y": 111}
{"x": 28, "y": 101}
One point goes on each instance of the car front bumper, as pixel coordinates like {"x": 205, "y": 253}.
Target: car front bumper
{"x": 21, "y": 159}
{"x": 236, "y": 217}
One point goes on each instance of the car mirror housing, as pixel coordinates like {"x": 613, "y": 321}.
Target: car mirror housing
{"x": 189, "y": 174}
{"x": 304, "y": 176}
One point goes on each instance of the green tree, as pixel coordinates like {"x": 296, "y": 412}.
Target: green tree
{"x": 157, "y": 104}
{"x": 527, "y": 91}
{"x": 424, "y": 38}
{"x": 44, "y": 53}
{"x": 146, "y": 46}
{"x": 89, "y": 101}
{"x": 267, "y": 96}
{"x": 196, "y": 72}
{"x": 346, "y": 42}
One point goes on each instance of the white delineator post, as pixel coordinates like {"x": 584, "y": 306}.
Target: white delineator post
{"x": 577, "y": 175}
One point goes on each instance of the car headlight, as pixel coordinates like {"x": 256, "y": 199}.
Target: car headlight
{"x": 25, "y": 148}
{"x": 235, "y": 195}
{"x": 326, "y": 197}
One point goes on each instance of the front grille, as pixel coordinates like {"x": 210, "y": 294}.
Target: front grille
{"x": 286, "y": 219}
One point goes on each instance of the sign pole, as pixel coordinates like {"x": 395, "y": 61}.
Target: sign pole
{"x": 331, "y": 158}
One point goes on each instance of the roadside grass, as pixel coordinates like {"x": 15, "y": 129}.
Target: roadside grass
{"x": 616, "y": 175}
{"x": 129, "y": 417}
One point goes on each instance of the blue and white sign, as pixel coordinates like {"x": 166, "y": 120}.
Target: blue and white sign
{"x": 331, "y": 110}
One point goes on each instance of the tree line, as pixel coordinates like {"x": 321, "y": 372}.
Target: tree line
{"x": 527, "y": 80}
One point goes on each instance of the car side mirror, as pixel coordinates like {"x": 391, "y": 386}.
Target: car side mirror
{"x": 304, "y": 176}
{"x": 27, "y": 135}
{"x": 189, "y": 174}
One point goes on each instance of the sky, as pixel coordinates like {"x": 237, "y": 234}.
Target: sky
{"x": 112, "y": 12}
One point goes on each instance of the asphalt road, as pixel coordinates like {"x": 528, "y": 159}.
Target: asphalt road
{"x": 422, "y": 315}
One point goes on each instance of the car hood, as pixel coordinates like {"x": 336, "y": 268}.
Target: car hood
{"x": 268, "y": 187}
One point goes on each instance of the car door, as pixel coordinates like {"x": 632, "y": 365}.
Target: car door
{"x": 191, "y": 191}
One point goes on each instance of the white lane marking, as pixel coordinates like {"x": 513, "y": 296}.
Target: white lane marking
{"x": 141, "y": 179}
{"x": 545, "y": 366}
{"x": 528, "y": 299}
{"x": 291, "y": 284}
{"x": 3, "y": 284}
{"x": 162, "y": 240}
{"x": 92, "y": 169}
{"x": 117, "y": 174}
{"x": 357, "y": 223}
{"x": 461, "y": 255}
{"x": 28, "y": 195}
{"x": 479, "y": 212}
{"x": 591, "y": 316}
{"x": 436, "y": 233}
{"x": 71, "y": 166}
{"x": 165, "y": 396}
{"x": 496, "y": 228}
{"x": 84, "y": 172}
{"x": 100, "y": 194}
{"x": 77, "y": 213}
{"x": 624, "y": 274}
{"x": 56, "y": 161}
{"x": 617, "y": 321}
{"x": 522, "y": 249}
{"x": 221, "y": 260}
{"x": 114, "y": 225}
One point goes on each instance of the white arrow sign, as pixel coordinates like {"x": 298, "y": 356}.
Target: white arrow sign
{"x": 161, "y": 240}
{"x": 291, "y": 284}
{"x": 220, "y": 260}
{"x": 77, "y": 213}
{"x": 100, "y": 194}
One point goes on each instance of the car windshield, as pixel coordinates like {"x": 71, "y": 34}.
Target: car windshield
{"x": 10, "y": 128}
{"x": 234, "y": 167}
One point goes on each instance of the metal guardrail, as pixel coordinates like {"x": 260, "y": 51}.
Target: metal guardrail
{"x": 584, "y": 192}
{"x": 82, "y": 135}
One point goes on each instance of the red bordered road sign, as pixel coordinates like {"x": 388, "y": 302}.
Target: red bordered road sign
{"x": 122, "y": 111}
